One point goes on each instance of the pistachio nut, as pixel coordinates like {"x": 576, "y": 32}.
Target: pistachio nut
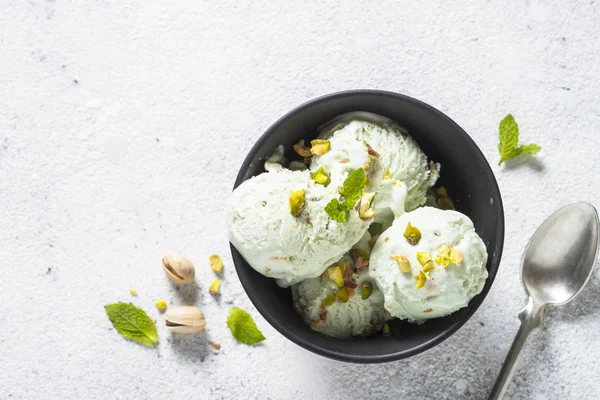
{"x": 178, "y": 268}
{"x": 329, "y": 300}
{"x": 366, "y": 290}
{"x": 302, "y": 150}
{"x": 216, "y": 263}
{"x": 423, "y": 257}
{"x": 214, "y": 287}
{"x": 386, "y": 329}
{"x": 343, "y": 294}
{"x": 365, "y": 212}
{"x": 360, "y": 259}
{"x": 421, "y": 279}
{"x": 319, "y": 147}
{"x": 296, "y": 202}
{"x": 412, "y": 234}
{"x": 373, "y": 241}
{"x": 336, "y": 275}
{"x": 403, "y": 263}
{"x": 456, "y": 256}
{"x": 161, "y": 305}
{"x": 320, "y": 177}
{"x": 443, "y": 258}
{"x": 185, "y": 319}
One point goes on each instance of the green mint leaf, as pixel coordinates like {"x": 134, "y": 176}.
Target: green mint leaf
{"x": 353, "y": 187}
{"x": 527, "y": 149}
{"x": 336, "y": 211}
{"x": 509, "y": 138}
{"x": 132, "y": 323}
{"x": 242, "y": 327}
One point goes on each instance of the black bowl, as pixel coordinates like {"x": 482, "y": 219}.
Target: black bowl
{"x": 465, "y": 173}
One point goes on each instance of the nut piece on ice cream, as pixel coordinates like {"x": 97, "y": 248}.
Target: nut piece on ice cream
{"x": 399, "y": 157}
{"x": 436, "y": 276}
{"x": 356, "y": 309}
{"x": 280, "y": 245}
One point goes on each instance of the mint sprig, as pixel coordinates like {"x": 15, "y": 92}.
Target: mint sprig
{"x": 132, "y": 323}
{"x": 242, "y": 327}
{"x": 351, "y": 190}
{"x": 509, "y": 139}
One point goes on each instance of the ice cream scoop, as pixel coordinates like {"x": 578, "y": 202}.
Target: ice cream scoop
{"x": 277, "y": 221}
{"x": 428, "y": 264}
{"x": 400, "y": 157}
{"x": 353, "y": 309}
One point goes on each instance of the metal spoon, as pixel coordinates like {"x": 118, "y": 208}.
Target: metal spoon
{"x": 557, "y": 263}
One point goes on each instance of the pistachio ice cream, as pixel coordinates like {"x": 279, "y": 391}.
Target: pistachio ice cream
{"x": 276, "y": 220}
{"x": 400, "y": 158}
{"x": 428, "y": 264}
{"x": 344, "y": 301}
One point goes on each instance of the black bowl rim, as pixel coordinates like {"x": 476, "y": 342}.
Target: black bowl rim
{"x": 473, "y": 305}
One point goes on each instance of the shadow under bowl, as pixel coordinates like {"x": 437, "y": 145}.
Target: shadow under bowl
{"x": 464, "y": 172}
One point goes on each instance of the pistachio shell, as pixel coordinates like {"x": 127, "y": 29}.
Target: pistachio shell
{"x": 178, "y": 268}
{"x": 185, "y": 319}
{"x": 302, "y": 150}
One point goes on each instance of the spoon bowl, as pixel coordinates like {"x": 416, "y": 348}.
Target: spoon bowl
{"x": 561, "y": 254}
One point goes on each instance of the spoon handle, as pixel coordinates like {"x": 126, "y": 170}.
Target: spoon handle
{"x": 531, "y": 318}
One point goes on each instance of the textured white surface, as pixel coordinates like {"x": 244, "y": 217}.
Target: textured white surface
{"x": 123, "y": 124}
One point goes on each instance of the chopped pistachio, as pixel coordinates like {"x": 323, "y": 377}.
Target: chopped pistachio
{"x": 302, "y": 150}
{"x": 403, "y": 263}
{"x": 320, "y": 177}
{"x": 329, "y": 300}
{"x": 161, "y": 305}
{"x": 214, "y": 287}
{"x": 360, "y": 258}
{"x": 336, "y": 275}
{"x": 386, "y": 329}
{"x": 429, "y": 266}
{"x": 217, "y": 346}
{"x": 387, "y": 239}
{"x": 319, "y": 146}
{"x": 445, "y": 203}
{"x": 296, "y": 202}
{"x": 456, "y": 256}
{"x": 133, "y": 292}
{"x": 441, "y": 191}
{"x": 216, "y": 263}
{"x": 366, "y": 290}
{"x": 423, "y": 257}
{"x": 412, "y": 234}
{"x": 343, "y": 294}
{"x": 428, "y": 310}
{"x": 422, "y": 279}
{"x": 443, "y": 258}
{"x": 370, "y": 150}
{"x": 373, "y": 240}
{"x": 323, "y": 316}
{"x": 365, "y": 212}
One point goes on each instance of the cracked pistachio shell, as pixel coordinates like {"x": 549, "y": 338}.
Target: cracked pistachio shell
{"x": 185, "y": 319}
{"x": 178, "y": 268}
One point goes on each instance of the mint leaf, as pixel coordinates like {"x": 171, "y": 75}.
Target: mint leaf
{"x": 351, "y": 191}
{"x": 336, "y": 211}
{"x": 242, "y": 327}
{"x": 353, "y": 187}
{"x": 132, "y": 323}
{"x": 527, "y": 149}
{"x": 509, "y": 139}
